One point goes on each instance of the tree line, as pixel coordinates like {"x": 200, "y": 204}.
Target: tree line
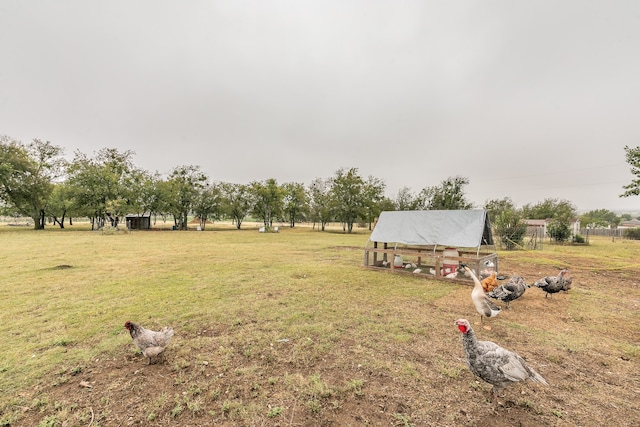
{"x": 36, "y": 181}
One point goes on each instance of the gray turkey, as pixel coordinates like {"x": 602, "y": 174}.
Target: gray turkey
{"x": 509, "y": 291}
{"x": 492, "y": 363}
{"x": 554, "y": 284}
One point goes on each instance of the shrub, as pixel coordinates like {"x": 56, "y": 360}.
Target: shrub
{"x": 632, "y": 233}
{"x": 559, "y": 231}
{"x": 510, "y": 228}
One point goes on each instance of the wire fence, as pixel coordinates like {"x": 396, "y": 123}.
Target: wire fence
{"x": 535, "y": 239}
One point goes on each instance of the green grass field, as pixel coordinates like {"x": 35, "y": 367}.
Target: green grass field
{"x": 293, "y": 317}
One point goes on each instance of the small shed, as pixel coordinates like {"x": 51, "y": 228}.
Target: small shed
{"x": 138, "y": 221}
{"x": 432, "y": 243}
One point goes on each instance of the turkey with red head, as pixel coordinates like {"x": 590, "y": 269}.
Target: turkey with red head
{"x": 492, "y": 363}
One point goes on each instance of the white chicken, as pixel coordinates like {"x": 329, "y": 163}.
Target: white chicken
{"x": 492, "y": 363}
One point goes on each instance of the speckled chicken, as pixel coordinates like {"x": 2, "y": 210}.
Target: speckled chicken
{"x": 509, "y": 291}
{"x": 554, "y": 284}
{"x": 151, "y": 343}
{"x": 492, "y": 363}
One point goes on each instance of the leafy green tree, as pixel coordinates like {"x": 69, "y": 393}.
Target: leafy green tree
{"x": 633, "y": 158}
{"x": 373, "y": 196}
{"x": 560, "y": 212}
{"x": 268, "y": 197}
{"x": 27, "y": 176}
{"x": 495, "y": 207}
{"x": 600, "y": 218}
{"x": 550, "y": 208}
{"x": 407, "y": 201}
{"x": 237, "y": 201}
{"x": 510, "y": 227}
{"x": 508, "y": 222}
{"x": 184, "y": 185}
{"x": 387, "y": 205}
{"x": 347, "y": 197}
{"x": 60, "y": 204}
{"x": 320, "y": 202}
{"x": 142, "y": 192}
{"x": 559, "y": 230}
{"x": 296, "y": 202}
{"x": 100, "y": 184}
{"x": 449, "y": 195}
{"x": 208, "y": 204}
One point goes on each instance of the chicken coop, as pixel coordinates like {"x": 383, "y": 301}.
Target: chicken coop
{"x": 432, "y": 243}
{"x": 138, "y": 222}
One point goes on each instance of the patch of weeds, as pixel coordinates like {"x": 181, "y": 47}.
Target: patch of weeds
{"x": 177, "y": 410}
{"x": 452, "y": 372}
{"x": 475, "y": 385}
{"x": 152, "y": 416}
{"x": 77, "y": 370}
{"x": 557, "y": 414}
{"x": 181, "y": 363}
{"x": 314, "y": 406}
{"x": 403, "y": 420}
{"x": 234, "y": 409}
{"x": 525, "y": 404}
{"x": 194, "y": 406}
{"x": 214, "y": 394}
{"x": 8, "y": 419}
{"x": 409, "y": 368}
{"x": 319, "y": 388}
{"x": 554, "y": 359}
{"x": 355, "y": 386}
{"x": 630, "y": 351}
{"x": 274, "y": 412}
{"x": 50, "y": 421}
{"x": 179, "y": 380}
{"x": 62, "y": 342}
{"x": 272, "y": 380}
{"x": 62, "y": 380}
{"x": 247, "y": 352}
{"x": 194, "y": 390}
{"x": 40, "y": 404}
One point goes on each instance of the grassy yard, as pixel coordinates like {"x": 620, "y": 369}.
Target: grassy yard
{"x": 288, "y": 328}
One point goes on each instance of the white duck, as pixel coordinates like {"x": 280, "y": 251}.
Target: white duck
{"x": 484, "y": 306}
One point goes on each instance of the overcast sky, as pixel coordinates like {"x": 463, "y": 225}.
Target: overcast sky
{"x": 528, "y": 100}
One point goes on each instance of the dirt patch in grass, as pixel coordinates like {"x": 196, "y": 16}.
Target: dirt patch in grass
{"x": 244, "y": 374}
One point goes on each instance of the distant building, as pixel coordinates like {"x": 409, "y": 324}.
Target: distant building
{"x": 539, "y": 226}
{"x": 138, "y": 222}
{"x": 630, "y": 224}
